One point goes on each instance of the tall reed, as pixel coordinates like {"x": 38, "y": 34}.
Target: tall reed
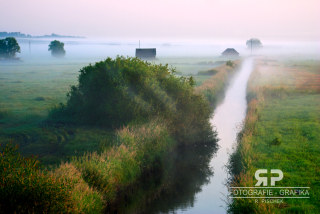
{"x": 136, "y": 148}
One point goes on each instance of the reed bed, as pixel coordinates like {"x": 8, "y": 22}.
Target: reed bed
{"x": 136, "y": 148}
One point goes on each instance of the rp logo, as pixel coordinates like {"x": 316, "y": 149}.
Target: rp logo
{"x": 264, "y": 180}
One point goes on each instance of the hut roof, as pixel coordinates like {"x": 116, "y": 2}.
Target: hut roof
{"x": 146, "y": 52}
{"x": 230, "y": 51}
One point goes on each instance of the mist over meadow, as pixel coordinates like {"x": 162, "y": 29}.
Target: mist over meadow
{"x": 92, "y": 50}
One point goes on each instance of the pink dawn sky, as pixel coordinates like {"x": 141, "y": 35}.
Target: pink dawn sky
{"x": 165, "y": 19}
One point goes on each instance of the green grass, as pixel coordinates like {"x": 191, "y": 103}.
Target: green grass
{"x": 32, "y": 88}
{"x": 281, "y": 131}
{"x": 295, "y": 121}
{"x": 27, "y": 92}
{"x": 53, "y": 144}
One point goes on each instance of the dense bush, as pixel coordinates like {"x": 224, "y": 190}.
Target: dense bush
{"x": 26, "y": 189}
{"x": 208, "y": 72}
{"x": 112, "y": 93}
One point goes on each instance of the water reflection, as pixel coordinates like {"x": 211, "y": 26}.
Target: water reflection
{"x": 172, "y": 184}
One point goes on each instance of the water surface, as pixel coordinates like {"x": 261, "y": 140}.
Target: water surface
{"x": 226, "y": 117}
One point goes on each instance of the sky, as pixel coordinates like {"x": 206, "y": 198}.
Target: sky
{"x": 283, "y": 20}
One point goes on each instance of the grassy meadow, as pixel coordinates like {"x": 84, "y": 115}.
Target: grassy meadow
{"x": 95, "y": 162}
{"x": 280, "y": 131}
{"x": 29, "y": 90}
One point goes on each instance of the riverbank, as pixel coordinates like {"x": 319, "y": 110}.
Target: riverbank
{"x": 135, "y": 160}
{"x": 280, "y": 132}
{"x": 121, "y": 158}
{"x": 180, "y": 176}
{"x": 213, "y": 88}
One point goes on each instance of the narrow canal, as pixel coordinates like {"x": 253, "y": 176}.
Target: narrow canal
{"x": 226, "y": 116}
{"x": 192, "y": 179}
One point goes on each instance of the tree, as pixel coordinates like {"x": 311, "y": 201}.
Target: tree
{"x": 192, "y": 81}
{"x": 254, "y": 44}
{"x": 57, "y": 48}
{"x": 9, "y": 47}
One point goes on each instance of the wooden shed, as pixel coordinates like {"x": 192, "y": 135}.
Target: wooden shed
{"x": 146, "y": 52}
{"x": 230, "y": 52}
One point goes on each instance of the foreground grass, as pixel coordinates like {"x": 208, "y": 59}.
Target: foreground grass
{"x": 137, "y": 148}
{"x": 284, "y": 105}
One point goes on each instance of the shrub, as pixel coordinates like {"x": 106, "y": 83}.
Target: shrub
{"x": 230, "y": 63}
{"x": 26, "y": 189}
{"x": 112, "y": 93}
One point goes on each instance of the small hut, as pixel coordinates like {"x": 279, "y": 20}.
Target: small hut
{"x": 230, "y": 52}
{"x": 146, "y": 52}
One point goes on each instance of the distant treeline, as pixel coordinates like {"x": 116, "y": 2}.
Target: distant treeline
{"x": 22, "y": 35}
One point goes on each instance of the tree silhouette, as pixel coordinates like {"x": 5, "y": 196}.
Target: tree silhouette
{"x": 9, "y": 47}
{"x": 57, "y": 48}
{"x": 254, "y": 44}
